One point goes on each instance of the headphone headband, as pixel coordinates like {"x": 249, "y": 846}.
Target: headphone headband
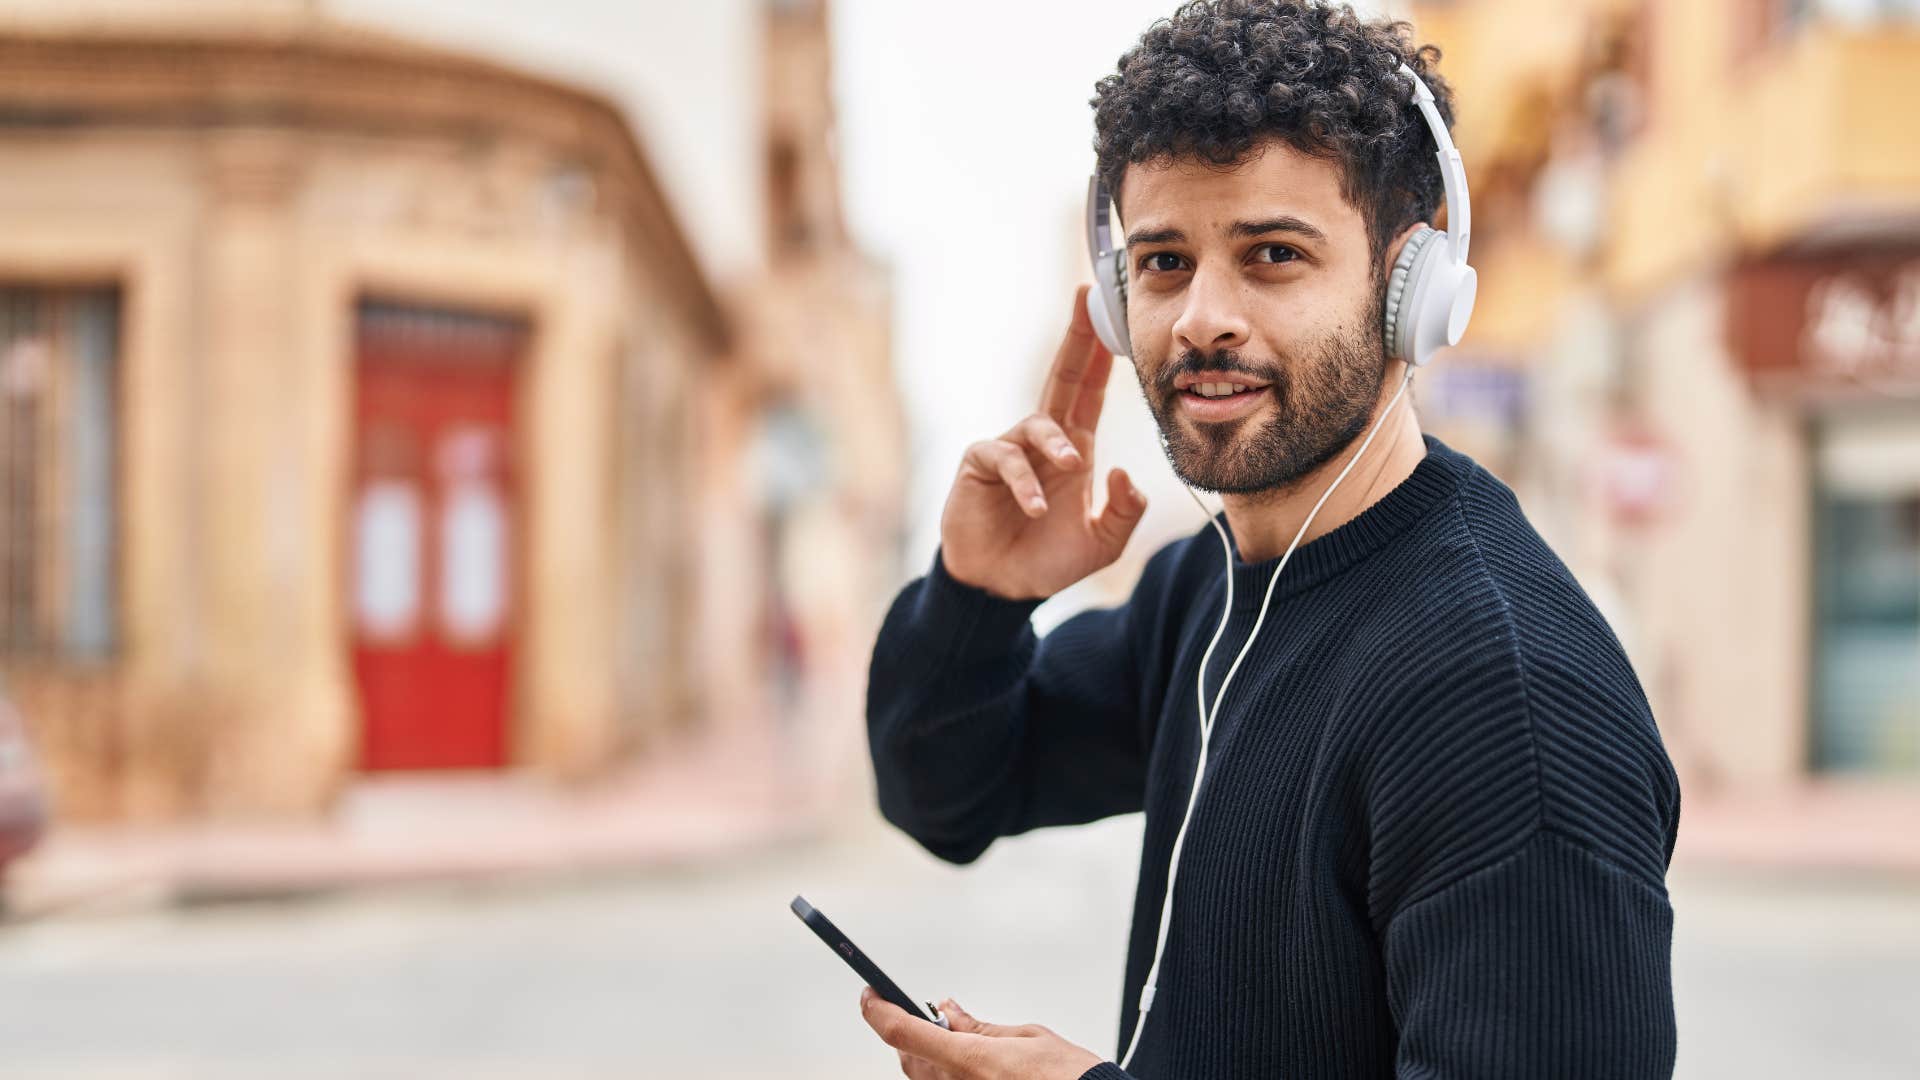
{"x": 1430, "y": 291}
{"x": 1453, "y": 174}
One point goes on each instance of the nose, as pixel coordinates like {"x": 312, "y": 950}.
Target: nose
{"x": 1213, "y": 318}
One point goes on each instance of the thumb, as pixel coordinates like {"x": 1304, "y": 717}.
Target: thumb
{"x": 960, "y": 1019}
{"x": 1125, "y": 506}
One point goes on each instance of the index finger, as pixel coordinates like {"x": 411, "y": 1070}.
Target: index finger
{"x": 1084, "y": 415}
{"x": 1071, "y": 363}
{"x": 911, "y": 1033}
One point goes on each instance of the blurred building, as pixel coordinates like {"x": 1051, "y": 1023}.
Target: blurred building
{"x": 364, "y": 407}
{"x": 1697, "y": 352}
{"x": 807, "y": 460}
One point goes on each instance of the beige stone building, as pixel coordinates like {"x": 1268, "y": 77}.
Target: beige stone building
{"x": 364, "y": 407}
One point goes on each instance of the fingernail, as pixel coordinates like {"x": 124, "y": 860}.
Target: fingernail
{"x": 1066, "y": 450}
{"x": 866, "y": 996}
{"x": 1037, "y": 503}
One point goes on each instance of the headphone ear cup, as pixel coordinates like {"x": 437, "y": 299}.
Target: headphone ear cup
{"x": 1402, "y": 295}
{"x": 1438, "y": 301}
{"x": 1107, "y": 304}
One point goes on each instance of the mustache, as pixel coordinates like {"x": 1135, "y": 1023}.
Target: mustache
{"x": 1226, "y": 362}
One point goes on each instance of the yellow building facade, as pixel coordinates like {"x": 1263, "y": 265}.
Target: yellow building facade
{"x": 1695, "y": 356}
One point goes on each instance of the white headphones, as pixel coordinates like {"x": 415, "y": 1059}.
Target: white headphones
{"x": 1430, "y": 296}
{"x": 1430, "y": 291}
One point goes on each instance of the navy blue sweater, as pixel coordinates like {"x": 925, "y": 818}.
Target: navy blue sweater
{"x": 1433, "y": 835}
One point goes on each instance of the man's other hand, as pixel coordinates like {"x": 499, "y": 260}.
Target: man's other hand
{"x": 973, "y": 1050}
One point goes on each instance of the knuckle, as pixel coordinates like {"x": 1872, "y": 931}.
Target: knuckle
{"x": 989, "y": 457}
{"x": 1034, "y": 431}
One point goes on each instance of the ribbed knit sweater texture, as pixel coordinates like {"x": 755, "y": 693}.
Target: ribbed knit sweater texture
{"x": 1434, "y": 829}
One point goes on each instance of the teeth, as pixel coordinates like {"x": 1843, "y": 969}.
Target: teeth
{"x": 1219, "y": 389}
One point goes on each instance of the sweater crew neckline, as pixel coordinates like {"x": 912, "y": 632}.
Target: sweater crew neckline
{"x": 1432, "y": 480}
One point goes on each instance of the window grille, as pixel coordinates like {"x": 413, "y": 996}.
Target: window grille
{"x": 59, "y": 443}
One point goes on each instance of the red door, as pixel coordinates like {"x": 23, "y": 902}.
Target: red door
{"x": 432, "y": 566}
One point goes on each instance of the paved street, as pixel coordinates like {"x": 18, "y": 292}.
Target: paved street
{"x": 702, "y": 973}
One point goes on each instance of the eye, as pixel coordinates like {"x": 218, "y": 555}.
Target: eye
{"x": 1281, "y": 253}
{"x": 1151, "y": 264}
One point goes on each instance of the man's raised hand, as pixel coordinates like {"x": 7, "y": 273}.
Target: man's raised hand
{"x": 1019, "y": 521}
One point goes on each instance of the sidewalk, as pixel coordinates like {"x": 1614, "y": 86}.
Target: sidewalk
{"x": 1819, "y": 825}
{"x": 714, "y": 800}
{"x": 694, "y": 803}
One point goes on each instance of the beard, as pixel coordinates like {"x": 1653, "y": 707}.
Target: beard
{"x": 1320, "y": 405}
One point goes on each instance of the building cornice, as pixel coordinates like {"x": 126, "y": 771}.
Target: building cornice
{"x": 316, "y": 74}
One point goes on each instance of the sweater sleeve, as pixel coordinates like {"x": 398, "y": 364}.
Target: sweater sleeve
{"x": 980, "y": 729}
{"x": 1550, "y": 962}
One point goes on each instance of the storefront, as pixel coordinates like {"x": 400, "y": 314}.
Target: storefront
{"x": 1840, "y": 335}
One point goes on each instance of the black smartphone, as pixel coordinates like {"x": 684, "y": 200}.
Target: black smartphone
{"x": 844, "y": 947}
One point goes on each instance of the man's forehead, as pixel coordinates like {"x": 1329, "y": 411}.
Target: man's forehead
{"x": 1275, "y": 179}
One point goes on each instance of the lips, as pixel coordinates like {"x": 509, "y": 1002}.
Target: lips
{"x": 1218, "y": 409}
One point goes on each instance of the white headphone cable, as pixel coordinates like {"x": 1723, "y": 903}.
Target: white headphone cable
{"x": 1207, "y": 716}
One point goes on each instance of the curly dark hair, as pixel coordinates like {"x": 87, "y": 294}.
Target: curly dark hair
{"x": 1220, "y": 76}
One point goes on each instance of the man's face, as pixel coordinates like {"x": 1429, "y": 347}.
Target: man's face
{"x": 1260, "y": 276}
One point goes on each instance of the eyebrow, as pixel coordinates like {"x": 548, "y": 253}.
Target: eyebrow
{"x": 1285, "y": 223}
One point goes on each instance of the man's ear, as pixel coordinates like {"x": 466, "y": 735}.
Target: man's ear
{"x": 1394, "y": 246}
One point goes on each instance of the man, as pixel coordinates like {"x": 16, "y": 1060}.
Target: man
{"x": 1436, "y": 816}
